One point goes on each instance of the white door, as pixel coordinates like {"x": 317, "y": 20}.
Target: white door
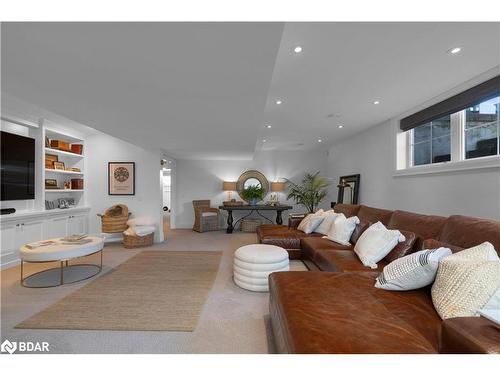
{"x": 57, "y": 227}
{"x": 77, "y": 224}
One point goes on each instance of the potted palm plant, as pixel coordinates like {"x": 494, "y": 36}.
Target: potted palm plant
{"x": 252, "y": 194}
{"x": 310, "y": 192}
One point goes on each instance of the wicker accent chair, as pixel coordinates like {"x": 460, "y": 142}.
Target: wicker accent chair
{"x": 206, "y": 218}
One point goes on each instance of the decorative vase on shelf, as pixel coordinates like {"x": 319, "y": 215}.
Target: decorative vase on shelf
{"x": 252, "y": 202}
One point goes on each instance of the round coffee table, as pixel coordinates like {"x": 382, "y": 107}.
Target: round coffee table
{"x": 253, "y": 264}
{"x": 61, "y": 252}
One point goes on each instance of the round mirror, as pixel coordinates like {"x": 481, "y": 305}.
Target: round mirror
{"x": 252, "y": 178}
{"x": 251, "y": 182}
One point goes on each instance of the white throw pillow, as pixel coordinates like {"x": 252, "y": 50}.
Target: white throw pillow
{"x": 341, "y": 229}
{"x": 413, "y": 271}
{"x": 311, "y": 222}
{"x": 465, "y": 281}
{"x": 375, "y": 243}
{"x": 328, "y": 218}
{"x": 140, "y": 220}
{"x": 491, "y": 310}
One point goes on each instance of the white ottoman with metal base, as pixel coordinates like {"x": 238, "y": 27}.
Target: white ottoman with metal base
{"x": 254, "y": 263}
{"x": 61, "y": 252}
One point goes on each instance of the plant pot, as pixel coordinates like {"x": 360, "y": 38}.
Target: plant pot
{"x": 253, "y": 202}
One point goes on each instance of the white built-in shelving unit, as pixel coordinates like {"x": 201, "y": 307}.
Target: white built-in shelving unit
{"x": 70, "y": 160}
{"x": 32, "y": 221}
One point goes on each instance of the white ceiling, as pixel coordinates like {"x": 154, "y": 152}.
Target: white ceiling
{"x": 208, "y": 89}
{"x": 191, "y": 89}
{"x": 344, "y": 67}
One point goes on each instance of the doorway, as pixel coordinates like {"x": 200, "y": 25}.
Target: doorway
{"x": 166, "y": 178}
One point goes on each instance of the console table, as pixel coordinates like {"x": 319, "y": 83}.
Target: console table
{"x": 247, "y": 207}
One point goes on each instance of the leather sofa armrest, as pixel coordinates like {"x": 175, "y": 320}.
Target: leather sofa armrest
{"x": 469, "y": 335}
{"x": 295, "y": 219}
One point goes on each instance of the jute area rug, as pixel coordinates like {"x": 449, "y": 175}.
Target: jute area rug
{"x": 152, "y": 291}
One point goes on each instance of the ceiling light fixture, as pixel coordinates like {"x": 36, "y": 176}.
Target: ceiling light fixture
{"x": 376, "y": 102}
{"x": 264, "y": 140}
{"x": 320, "y": 140}
{"x": 341, "y": 126}
{"x": 269, "y": 126}
{"x": 455, "y": 50}
{"x": 298, "y": 49}
{"x": 278, "y": 102}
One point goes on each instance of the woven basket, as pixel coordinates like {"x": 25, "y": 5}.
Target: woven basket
{"x": 114, "y": 219}
{"x": 249, "y": 225}
{"x": 131, "y": 242}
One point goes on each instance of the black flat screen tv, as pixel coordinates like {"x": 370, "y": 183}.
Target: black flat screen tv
{"x": 17, "y": 167}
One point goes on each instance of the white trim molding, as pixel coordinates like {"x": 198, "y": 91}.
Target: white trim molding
{"x": 451, "y": 166}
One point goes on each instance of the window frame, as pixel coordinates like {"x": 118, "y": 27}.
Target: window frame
{"x": 412, "y": 143}
{"x": 458, "y": 153}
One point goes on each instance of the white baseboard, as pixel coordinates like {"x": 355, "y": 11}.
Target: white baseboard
{"x": 10, "y": 264}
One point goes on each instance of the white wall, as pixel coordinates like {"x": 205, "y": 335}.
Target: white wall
{"x": 101, "y": 149}
{"x": 202, "y": 179}
{"x": 371, "y": 153}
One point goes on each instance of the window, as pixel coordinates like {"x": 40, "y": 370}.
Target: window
{"x": 431, "y": 142}
{"x": 465, "y": 126}
{"x": 481, "y": 130}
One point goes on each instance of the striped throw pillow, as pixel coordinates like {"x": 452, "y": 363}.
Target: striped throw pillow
{"x": 413, "y": 271}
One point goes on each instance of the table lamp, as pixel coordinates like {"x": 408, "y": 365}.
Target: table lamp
{"x": 277, "y": 187}
{"x": 229, "y": 186}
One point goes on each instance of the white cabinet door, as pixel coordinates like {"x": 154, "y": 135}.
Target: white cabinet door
{"x": 57, "y": 227}
{"x": 8, "y": 233}
{"x": 77, "y": 224}
{"x": 31, "y": 230}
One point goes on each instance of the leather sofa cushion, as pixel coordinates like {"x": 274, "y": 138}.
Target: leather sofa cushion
{"x": 347, "y": 209}
{"x": 435, "y": 244}
{"x": 342, "y": 261}
{"x": 469, "y": 335}
{"x": 310, "y": 245}
{"x": 280, "y": 235}
{"x": 424, "y": 226}
{"x": 402, "y": 248}
{"x": 329, "y": 312}
{"x": 294, "y": 221}
{"x": 372, "y": 215}
{"x": 467, "y": 231}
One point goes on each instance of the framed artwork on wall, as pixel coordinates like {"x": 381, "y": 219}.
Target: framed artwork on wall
{"x": 121, "y": 178}
{"x": 349, "y": 189}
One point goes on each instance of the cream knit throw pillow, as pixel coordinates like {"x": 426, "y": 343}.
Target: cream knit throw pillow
{"x": 465, "y": 281}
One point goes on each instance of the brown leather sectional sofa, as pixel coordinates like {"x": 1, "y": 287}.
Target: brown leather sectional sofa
{"x": 340, "y": 311}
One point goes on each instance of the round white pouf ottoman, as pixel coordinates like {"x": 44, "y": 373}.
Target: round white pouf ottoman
{"x": 254, "y": 263}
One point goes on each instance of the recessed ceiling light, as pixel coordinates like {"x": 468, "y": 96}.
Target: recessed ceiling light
{"x": 269, "y": 126}
{"x": 298, "y": 49}
{"x": 455, "y": 50}
{"x": 320, "y": 140}
{"x": 278, "y": 102}
{"x": 341, "y": 126}
{"x": 264, "y": 140}
{"x": 376, "y": 102}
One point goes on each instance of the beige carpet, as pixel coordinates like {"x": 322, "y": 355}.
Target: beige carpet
{"x": 152, "y": 291}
